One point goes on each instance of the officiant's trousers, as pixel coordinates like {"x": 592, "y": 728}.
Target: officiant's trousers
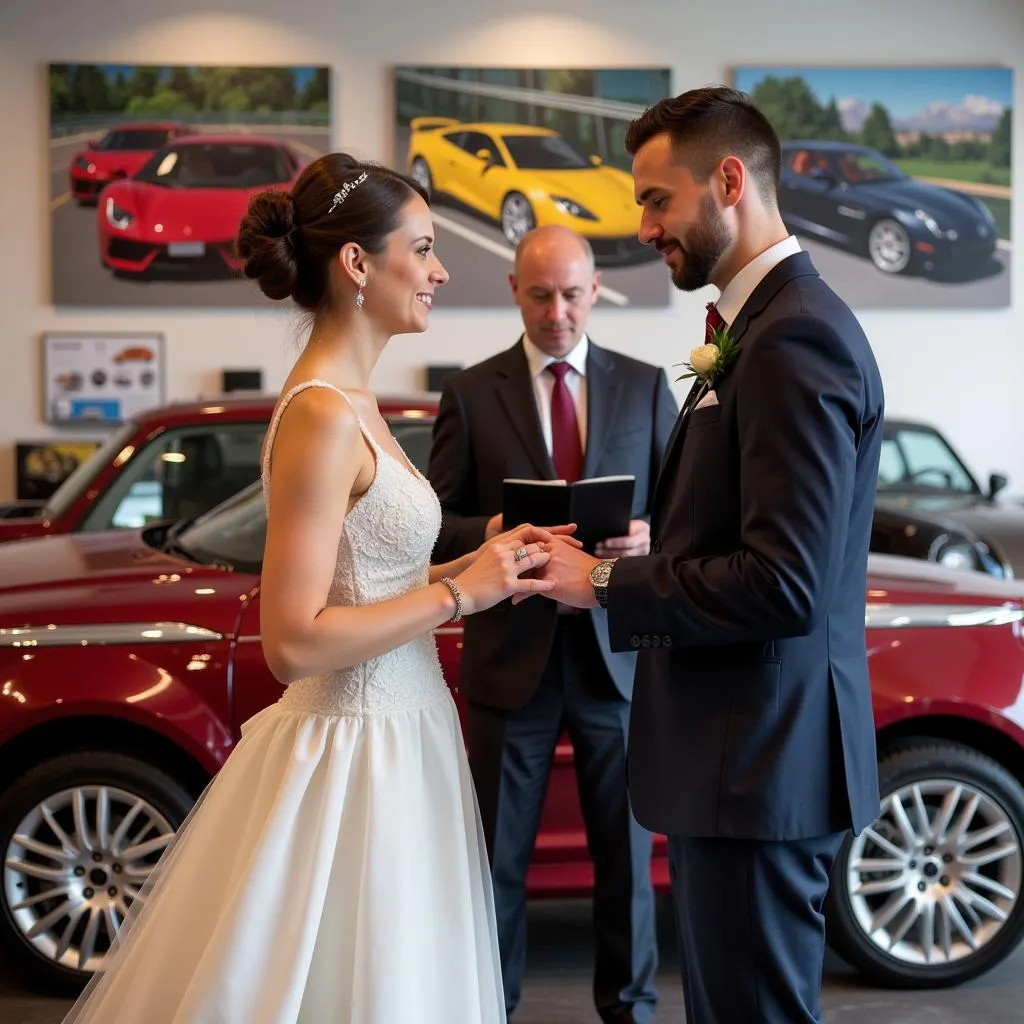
{"x": 511, "y": 753}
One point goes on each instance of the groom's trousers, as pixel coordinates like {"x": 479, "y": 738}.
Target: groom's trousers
{"x": 750, "y": 927}
{"x": 511, "y": 753}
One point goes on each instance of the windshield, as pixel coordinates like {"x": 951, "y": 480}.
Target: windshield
{"x": 215, "y": 165}
{"x": 233, "y": 532}
{"x": 543, "y": 153}
{"x": 141, "y": 138}
{"x": 84, "y": 474}
{"x": 236, "y": 530}
{"x": 859, "y": 167}
{"x": 918, "y": 459}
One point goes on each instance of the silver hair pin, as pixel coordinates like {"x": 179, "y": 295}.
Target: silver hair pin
{"x": 342, "y": 194}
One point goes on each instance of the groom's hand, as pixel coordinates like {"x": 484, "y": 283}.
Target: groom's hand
{"x": 637, "y": 542}
{"x": 570, "y": 568}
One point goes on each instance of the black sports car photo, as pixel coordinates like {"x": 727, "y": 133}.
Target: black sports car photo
{"x": 854, "y": 197}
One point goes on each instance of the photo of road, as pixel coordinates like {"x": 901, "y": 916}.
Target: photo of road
{"x": 502, "y": 150}
{"x": 152, "y": 168}
{"x": 81, "y": 279}
{"x": 898, "y": 179}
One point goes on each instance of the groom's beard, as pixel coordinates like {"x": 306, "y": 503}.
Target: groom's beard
{"x": 703, "y": 247}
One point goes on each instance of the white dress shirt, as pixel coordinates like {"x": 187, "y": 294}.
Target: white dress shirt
{"x": 544, "y": 385}
{"x": 742, "y": 286}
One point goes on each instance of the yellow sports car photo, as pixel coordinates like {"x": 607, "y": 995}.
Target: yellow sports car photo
{"x": 521, "y": 176}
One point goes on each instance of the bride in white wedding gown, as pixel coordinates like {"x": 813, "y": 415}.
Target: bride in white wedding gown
{"x": 334, "y": 871}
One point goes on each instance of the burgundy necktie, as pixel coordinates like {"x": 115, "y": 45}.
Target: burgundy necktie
{"x": 712, "y": 322}
{"x": 566, "y": 450}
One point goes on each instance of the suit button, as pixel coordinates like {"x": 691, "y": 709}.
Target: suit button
{"x": 645, "y": 640}
{"x": 634, "y": 641}
{"x": 656, "y": 546}
{"x": 666, "y": 641}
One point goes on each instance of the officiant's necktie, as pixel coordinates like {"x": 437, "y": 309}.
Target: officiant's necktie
{"x": 712, "y": 322}
{"x": 566, "y": 449}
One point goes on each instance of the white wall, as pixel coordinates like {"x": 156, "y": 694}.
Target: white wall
{"x": 960, "y": 369}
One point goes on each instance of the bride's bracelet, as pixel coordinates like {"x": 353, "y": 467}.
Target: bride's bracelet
{"x": 450, "y": 584}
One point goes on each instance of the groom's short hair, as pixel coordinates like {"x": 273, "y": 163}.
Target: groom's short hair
{"x": 712, "y": 123}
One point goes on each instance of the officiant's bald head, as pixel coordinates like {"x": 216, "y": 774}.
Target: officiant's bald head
{"x": 554, "y": 284}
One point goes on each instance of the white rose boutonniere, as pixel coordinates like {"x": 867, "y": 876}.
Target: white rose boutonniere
{"x": 710, "y": 361}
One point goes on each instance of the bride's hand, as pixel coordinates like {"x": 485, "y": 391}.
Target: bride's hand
{"x": 502, "y": 568}
{"x": 528, "y": 533}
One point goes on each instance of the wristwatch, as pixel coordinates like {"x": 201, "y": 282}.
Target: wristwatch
{"x": 599, "y": 577}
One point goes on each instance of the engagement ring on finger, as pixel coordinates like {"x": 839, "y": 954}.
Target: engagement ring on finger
{"x": 519, "y": 554}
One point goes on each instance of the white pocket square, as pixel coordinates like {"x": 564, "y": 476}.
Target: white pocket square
{"x": 709, "y": 399}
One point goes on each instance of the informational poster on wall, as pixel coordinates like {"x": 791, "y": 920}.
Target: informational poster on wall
{"x": 101, "y": 378}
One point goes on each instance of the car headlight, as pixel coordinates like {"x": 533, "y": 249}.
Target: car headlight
{"x": 956, "y": 553}
{"x": 572, "y": 208}
{"x": 929, "y": 222}
{"x": 117, "y": 217}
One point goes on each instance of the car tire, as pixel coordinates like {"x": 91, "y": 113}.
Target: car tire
{"x": 889, "y": 246}
{"x": 887, "y": 944}
{"x": 154, "y": 804}
{"x": 420, "y": 173}
{"x": 517, "y": 217}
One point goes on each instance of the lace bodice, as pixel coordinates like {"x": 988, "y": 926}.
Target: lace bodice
{"x": 384, "y": 551}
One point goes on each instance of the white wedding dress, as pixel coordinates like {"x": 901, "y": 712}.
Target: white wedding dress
{"x": 334, "y": 871}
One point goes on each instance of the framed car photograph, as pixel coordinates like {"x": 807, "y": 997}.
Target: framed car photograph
{"x": 152, "y": 168}
{"x": 502, "y": 150}
{"x": 897, "y": 180}
{"x": 101, "y": 378}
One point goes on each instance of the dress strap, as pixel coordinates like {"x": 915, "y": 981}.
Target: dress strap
{"x": 275, "y": 420}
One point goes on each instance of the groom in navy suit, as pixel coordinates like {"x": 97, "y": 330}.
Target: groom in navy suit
{"x": 751, "y": 738}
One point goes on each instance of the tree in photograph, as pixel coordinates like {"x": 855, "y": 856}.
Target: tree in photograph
{"x": 143, "y": 81}
{"x": 999, "y": 144}
{"x": 877, "y": 132}
{"x": 790, "y": 105}
{"x": 315, "y": 94}
{"x": 89, "y": 92}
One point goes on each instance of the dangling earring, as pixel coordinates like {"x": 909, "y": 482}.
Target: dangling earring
{"x": 360, "y": 298}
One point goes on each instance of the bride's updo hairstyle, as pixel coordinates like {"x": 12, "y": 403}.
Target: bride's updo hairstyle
{"x": 290, "y": 240}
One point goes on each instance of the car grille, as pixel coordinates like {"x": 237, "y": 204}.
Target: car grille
{"x": 126, "y": 249}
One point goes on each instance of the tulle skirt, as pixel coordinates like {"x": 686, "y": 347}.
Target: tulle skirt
{"x": 333, "y": 872}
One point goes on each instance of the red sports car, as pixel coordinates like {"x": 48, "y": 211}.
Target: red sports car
{"x": 119, "y": 153}
{"x": 182, "y": 208}
{"x": 129, "y": 659}
{"x": 180, "y": 460}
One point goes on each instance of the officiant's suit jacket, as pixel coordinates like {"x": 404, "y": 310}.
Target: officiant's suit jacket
{"x": 752, "y": 716}
{"x": 488, "y": 428}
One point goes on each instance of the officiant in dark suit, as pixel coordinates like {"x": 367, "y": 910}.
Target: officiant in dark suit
{"x": 554, "y": 406}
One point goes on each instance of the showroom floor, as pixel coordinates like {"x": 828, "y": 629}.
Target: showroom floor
{"x": 558, "y": 986}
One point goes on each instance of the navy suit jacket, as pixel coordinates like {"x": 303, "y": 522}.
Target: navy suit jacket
{"x": 487, "y": 429}
{"x": 752, "y": 711}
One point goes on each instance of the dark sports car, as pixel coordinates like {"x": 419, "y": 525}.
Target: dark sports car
{"x": 854, "y": 197}
{"x": 931, "y": 506}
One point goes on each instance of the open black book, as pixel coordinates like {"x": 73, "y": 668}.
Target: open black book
{"x": 601, "y": 506}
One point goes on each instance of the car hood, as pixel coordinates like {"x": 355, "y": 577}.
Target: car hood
{"x": 998, "y": 525}
{"x": 895, "y": 579}
{"x": 602, "y": 189}
{"x": 16, "y": 529}
{"x": 949, "y": 208}
{"x": 117, "y": 161}
{"x": 114, "y": 577}
{"x": 183, "y": 214}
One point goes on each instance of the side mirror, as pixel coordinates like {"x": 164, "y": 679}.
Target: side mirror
{"x": 996, "y": 482}
{"x": 483, "y": 154}
{"x": 90, "y": 144}
{"x": 596, "y": 160}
